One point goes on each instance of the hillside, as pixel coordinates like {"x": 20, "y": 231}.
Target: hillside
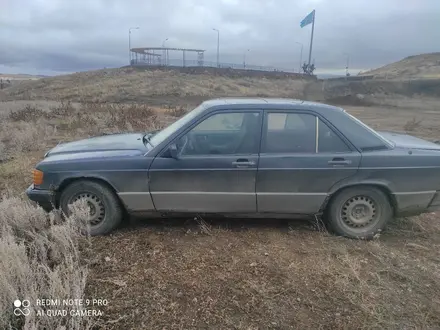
{"x": 158, "y": 86}
{"x": 423, "y": 66}
{"x": 19, "y": 76}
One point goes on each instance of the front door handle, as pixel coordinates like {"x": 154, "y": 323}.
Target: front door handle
{"x": 339, "y": 161}
{"x": 243, "y": 163}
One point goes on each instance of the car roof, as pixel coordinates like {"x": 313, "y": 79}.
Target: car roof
{"x": 269, "y": 103}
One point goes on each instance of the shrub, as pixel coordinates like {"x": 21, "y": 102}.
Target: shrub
{"x": 40, "y": 259}
{"x": 176, "y": 111}
{"x": 411, "y": 125}
{"x": 2, "y": 151}
{"x": 64, "y": 109}
{"x": 23, "y": 136}
{"x": 28, "y": 113}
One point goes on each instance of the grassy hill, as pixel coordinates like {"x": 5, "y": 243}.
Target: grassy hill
{"x": 134, "y": 85}
{"x": 423, "y": 66}
{"x": 173, "y": 87}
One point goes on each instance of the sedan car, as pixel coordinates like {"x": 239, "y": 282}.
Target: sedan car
{"x": 247, "y": 157}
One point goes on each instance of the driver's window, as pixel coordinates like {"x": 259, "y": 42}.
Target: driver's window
{"x": 223, "y": 134}
{"x": 221, "y": 122}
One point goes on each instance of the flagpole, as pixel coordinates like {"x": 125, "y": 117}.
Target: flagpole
{"x": 311, "y": 39}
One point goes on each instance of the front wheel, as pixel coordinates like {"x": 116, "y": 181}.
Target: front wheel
{"x": 359, "y": 212}
{"x": 105, "y": 211}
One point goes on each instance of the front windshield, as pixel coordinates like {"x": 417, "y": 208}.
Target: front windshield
{"x": 166, "y": 132}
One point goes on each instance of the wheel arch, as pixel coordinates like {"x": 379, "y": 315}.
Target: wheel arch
{"x": 69, "y": 180}
{"x": 381, "y": 186}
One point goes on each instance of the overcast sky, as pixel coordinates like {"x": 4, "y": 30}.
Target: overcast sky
{"x": 53, "y": 36}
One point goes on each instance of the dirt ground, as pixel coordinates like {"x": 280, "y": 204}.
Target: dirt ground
{"x": 426, "y": 121}
{"x": 265, "y": 274}
{"x": 246, "y": 274}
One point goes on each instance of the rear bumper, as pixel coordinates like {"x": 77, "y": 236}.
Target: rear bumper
{"x": 415, "y": 203}
{"x": 44, "y": 198}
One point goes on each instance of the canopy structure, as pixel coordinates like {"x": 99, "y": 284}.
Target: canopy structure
{"x": 160, "y": 56}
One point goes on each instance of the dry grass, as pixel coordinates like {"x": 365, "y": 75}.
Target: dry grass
{"x": 415, "y": 103}
{"x": 2, "y": 151}
{"x": 415, "y": 67}
{"x": 176, "y": 111}
{"x": 126, "y": 84}
{"x": 249, "y": 275}
{"x": 239, "y": 274}
{"x": 40, "y": 258}
{"x": 411, "y": 125}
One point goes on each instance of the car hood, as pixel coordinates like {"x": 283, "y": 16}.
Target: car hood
{"x": 99, "y": 144}
{"x": 409, "y": 142}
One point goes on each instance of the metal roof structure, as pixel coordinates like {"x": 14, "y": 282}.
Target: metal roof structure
{"x": 144, "y": 50}
{"x": 148, "y": 55}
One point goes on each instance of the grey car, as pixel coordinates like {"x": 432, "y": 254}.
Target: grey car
{"x": 244, "y": 158}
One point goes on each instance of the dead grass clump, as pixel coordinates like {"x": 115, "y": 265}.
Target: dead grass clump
{"x": 28, "y": 113}
{"x": 2, "y": 151}
{"x": 422, "y": 226}
{"x": 27, "y": 131}
{"x": 23, "y": 136}
{"x": 141, "y": 110}
{"x": 29, "y": 137}
{"x": 110, "y": 118}
{"x": 205, "y": 228}
{"x": 40, "y": 259}
{"x": 178, "y": 111}
{"x": 66, "y": 122}
{"x": 63, "y": 109}
{"x": 411, "y": 125}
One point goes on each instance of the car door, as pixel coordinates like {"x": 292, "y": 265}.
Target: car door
{"x": 301, "y": 158}
{"x": 215, "y": 170}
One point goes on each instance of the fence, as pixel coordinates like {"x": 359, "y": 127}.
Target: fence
{"x": 210, "y": 64}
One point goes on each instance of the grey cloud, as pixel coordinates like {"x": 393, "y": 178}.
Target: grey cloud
{"x": 57, "y": 35}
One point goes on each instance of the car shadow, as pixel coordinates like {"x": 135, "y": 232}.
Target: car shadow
{"x": 232, "y": 224}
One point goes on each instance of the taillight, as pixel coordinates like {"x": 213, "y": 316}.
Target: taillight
{"x": 37, "y": 177}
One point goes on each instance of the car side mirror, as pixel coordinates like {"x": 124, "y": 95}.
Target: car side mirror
{"x": 174, "y": 153}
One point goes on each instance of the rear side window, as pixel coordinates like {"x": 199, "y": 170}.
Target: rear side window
{"x": 328, "y": 141}
{"x": 286, "y": 121}
{"x": 362, "y": 136}
{"x": 290, "y": 133}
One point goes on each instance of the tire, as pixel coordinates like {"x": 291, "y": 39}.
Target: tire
{"x": 359, "y": 212}
{"x": 108, "y": 212}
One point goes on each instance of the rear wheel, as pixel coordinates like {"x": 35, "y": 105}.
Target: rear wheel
{"x": 359, "y": 212}
{"x": 105, "y": 211}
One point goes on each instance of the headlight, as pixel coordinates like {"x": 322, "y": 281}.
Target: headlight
{"x": 37, "y": 177}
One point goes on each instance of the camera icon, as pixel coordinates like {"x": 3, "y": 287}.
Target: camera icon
{"x": 21, "y": 307}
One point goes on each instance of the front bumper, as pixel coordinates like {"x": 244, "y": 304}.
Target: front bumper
{"x": 44, "y": 198}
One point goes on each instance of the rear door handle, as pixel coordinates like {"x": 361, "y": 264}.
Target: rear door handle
{"x": 339, "y": 161}
{"x": 243, "y": 163}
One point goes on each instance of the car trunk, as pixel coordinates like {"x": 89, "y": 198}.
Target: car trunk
{"x": 409, "y": 142}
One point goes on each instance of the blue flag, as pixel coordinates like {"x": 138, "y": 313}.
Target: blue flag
{"x": 308, "y": 19}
